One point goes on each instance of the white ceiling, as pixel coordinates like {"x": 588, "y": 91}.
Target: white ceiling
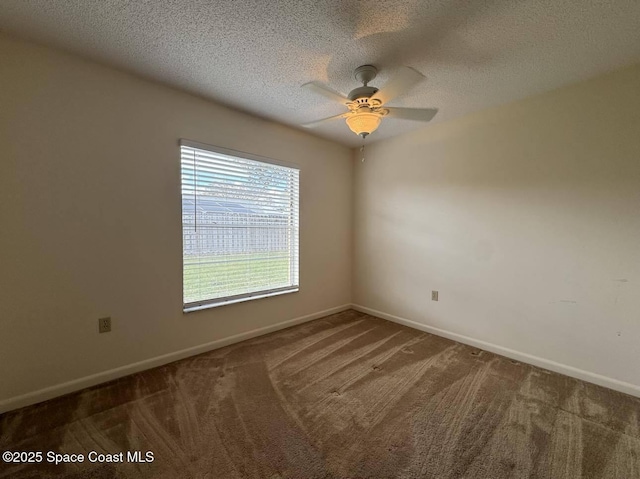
{"x": 253, "y": 55}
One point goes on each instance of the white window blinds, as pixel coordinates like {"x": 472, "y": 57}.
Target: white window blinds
{"x": 240, "y": 227}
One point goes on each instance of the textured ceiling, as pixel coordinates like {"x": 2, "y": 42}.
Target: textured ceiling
{"x": 253, "y": 55}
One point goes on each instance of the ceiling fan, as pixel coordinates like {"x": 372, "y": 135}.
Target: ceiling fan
{"x": 366, "y": 103}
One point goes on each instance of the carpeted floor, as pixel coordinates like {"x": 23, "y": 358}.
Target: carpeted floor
{"x": 347, "y": 396}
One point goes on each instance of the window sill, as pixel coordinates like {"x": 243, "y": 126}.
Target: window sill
{"x": 224, "y": 302}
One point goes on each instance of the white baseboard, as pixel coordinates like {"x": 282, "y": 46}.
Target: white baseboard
{"x": 104, "y": 376}
{"x": 594, "y": 378}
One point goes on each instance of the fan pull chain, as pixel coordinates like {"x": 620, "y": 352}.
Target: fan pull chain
{"x": 362, "y": 150}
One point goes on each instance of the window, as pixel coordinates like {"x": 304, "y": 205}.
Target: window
{"x": 239, "y": 227}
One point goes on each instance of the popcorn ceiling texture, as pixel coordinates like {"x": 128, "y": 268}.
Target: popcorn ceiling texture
{"x": 254, "y": 55}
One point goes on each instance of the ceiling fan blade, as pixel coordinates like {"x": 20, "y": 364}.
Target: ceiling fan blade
{"x": 415, "y": 114}
{"x": 403, "y": 81}
{"x": 325, "y": 91}
{"x": 313, "y": 124}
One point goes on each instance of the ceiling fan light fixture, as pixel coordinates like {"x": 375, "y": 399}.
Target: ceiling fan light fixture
{"x": 366, "y": 103}
{"x": 363, "y": 123}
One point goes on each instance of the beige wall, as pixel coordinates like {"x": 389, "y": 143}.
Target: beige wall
{"x": 90, "y": 218}
{"x": 526, "y": 218}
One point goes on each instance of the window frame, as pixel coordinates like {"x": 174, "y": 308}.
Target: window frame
{"x": 214, "y": 303}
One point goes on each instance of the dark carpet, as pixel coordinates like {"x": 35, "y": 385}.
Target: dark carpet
{"x": 347, "y": 396}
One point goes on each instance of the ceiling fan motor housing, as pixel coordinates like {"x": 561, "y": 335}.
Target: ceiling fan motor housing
{"x": 362, "y": 92}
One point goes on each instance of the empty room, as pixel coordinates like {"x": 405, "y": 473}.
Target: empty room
{"x": 320, "y": 239}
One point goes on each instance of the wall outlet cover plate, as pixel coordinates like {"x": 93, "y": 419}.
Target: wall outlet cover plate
{"x": 104, "y": 325}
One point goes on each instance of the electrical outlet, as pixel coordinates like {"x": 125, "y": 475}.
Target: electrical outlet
{"x": 104, "y": 325}
{"x": 434, "y": 296}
